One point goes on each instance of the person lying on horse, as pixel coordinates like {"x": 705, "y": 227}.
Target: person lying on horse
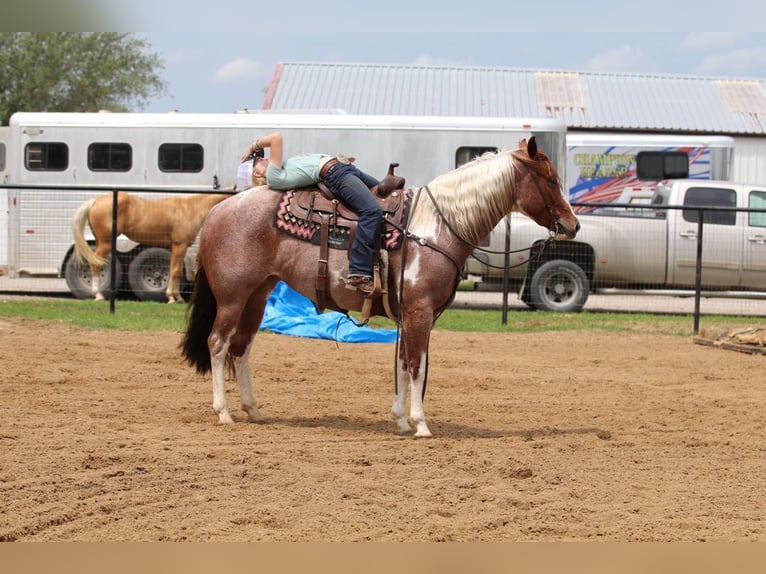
{"x": 347, "y": 182}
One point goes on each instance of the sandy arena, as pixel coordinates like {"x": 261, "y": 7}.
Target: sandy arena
{"x": 109, "y": 436}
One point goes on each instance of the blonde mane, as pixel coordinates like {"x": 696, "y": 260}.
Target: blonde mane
{"x": 472, "y": 198}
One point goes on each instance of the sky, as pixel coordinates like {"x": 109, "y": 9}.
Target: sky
{"x": 220, "y": 56}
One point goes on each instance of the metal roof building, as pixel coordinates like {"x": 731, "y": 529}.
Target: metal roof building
{"x": 584, "y": 100}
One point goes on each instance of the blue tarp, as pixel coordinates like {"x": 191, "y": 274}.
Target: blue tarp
{"x": 290, "y": 313}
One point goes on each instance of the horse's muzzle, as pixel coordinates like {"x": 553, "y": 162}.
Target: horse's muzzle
{"x": 565, "y": 232}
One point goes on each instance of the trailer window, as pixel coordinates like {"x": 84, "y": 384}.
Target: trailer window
{"x": 2, "y": 156}
{"x": 46, "y": 156}
{"x": 711, "y": 197}
{"x": 656, "y": 165}
{"x": 110, "y": 157}
{"x": 184, "y": 157}
{"x": 757, "y": 200}
{"x": 466, "y": 154}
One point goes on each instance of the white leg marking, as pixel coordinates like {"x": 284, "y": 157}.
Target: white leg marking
{"x": 95, "y": 286}
{"x": 417, "y": 414}
{"x": 399, "y": 408}
{"x": 217, "y": 366}
{"x": 245, "y": 382}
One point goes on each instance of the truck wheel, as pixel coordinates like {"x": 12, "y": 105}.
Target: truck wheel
{"x": 78, "y": 278}
{"x": 559, "y": 285}
{"x": 148, "y": 274}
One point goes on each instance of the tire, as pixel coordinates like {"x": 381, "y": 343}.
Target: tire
{"x": 559, "y": 285}
{"x": 148, "y": 274}
{"x": 78, "y": 278}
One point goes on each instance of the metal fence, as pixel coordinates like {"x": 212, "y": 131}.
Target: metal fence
{"x": 57, "y": 204}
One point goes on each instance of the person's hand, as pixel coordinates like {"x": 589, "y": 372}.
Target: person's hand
{"x": 252, "y": 150}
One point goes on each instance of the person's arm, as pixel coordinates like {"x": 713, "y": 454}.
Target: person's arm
{"x": 273, "y": 141}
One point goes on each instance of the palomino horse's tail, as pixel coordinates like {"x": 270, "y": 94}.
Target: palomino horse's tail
{"x": 200, "y": 317}
{"x": 81, "y": 247}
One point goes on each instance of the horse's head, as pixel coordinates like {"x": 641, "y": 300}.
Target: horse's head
{"x": 539, "y": 195}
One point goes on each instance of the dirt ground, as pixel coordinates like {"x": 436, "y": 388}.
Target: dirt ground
{"x": 109, "y": 436}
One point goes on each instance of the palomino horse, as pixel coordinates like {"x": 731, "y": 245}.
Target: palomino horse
{"x": 242, "y": 256}
{"x": 173, "y": 223}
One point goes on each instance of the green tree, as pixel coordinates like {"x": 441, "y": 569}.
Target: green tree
{"x": 76, "y": 72}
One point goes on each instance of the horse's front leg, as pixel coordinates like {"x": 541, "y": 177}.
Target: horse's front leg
{"x": 418, "y": 367}
{"x": 399, "y": 408}
{"x": 412, "y": 366}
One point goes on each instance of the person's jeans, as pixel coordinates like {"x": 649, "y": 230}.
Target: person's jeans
{"x": 352, "y": 186}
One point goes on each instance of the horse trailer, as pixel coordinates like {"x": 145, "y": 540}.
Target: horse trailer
{"x": 626, "y": 167}
{"x": 56, "y": 161}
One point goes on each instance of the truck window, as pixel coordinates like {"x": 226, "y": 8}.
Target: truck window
{"x": 757, "y": 200}
{"x": 186, "y": 157}
{"x": 466, "y": 154}
{"x": 656, "y": 165}
{"x": 711, "y": 197}
{"x": 110, "y": 157}
{"x": 46, "y": 156}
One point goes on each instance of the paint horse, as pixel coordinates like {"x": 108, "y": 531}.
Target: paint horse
{"x": 172, "y": 223}
{"x": 242, "y": 255}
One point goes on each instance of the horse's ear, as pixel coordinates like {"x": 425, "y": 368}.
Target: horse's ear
{"x": 532, "y": 147}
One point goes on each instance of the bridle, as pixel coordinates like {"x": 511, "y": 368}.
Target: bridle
{"x": 548, "y": 206}
{"x": 426, "y": 243}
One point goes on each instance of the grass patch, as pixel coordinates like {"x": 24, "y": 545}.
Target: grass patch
{"x": 148, "y": 316}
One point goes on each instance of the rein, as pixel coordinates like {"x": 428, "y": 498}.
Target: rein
{"x": 425, "y": 243}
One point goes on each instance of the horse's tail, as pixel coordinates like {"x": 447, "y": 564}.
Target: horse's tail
{"x": 200, "y": 317}
{"x": 81, "y": 248}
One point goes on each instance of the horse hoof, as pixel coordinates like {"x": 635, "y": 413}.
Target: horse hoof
{"x": 402, "y": 426}
{"x": 225, "y": 419}
{"x": 254, "y": 416}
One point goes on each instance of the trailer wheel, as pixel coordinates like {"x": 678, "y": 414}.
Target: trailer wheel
{"x": 149, "y": 273}
{"x": 79, "y": 280}
{"x": 559, "y": 285}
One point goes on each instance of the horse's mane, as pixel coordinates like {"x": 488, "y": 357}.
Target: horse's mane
{"x": 475, "y": 196}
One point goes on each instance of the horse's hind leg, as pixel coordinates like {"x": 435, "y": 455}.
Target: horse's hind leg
{"x": 175, "y": 275}
{"x": 245, "y": 383}
{"x": 219, "y": 342}
{"x": 103, "y": 248}
{"x": 241, "y": 345}
{"x": 220, "y": 349}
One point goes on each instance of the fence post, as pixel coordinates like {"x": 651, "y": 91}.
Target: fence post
{"x": 698, "y": 275}
{"x": 113, "y": 255}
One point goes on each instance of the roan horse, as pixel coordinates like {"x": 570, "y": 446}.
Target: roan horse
{"x": 242, "y": 256}
{"x": 173, "y": 222}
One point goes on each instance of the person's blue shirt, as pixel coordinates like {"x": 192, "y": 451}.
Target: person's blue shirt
{"x": 297, "y": 171}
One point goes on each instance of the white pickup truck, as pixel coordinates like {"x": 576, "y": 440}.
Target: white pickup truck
{"x": 638, "y": 247}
